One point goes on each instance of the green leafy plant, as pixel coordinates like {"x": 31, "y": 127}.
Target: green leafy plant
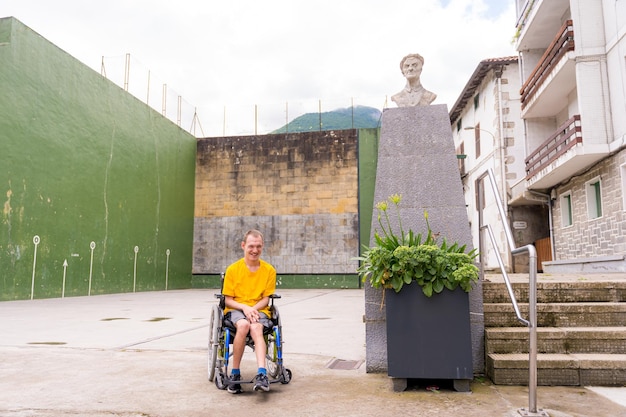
{"x": 398, "y": 259}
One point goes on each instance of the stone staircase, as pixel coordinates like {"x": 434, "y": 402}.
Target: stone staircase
{"x": 581, "y": 330}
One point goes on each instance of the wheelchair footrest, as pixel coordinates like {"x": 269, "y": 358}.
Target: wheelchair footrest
{"x": 284, "y": 378}
{"x": 228, "y": 381}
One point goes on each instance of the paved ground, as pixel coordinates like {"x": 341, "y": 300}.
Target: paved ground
{"x": 144, "y": 355}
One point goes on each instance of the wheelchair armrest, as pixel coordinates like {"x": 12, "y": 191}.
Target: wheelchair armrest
{"x": 275, "y": 296}
{"x": 222, "y": 299}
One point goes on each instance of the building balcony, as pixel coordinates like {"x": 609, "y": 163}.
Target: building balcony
{"x": 561, "y": 156}
{"x": 545, "y": 92}
{"x": 536, "y": 21}
{"x": 568, "y": 135}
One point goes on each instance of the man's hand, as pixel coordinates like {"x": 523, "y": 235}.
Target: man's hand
{"x": 251, "y": 314}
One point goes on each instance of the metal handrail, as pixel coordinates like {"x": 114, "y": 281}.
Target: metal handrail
{"x": 506, "y": 279}
{"x": 531, "y": 323}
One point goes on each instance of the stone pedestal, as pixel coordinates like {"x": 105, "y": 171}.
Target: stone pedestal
{"x": 417, "y": 159}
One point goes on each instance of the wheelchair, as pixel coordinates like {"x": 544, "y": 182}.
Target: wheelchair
{"x": 222, "y": 335}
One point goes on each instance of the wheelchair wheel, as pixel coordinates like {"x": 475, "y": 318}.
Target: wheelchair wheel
{"x": 219, "y": 381}
{"x": 214, "y": 329}
{"x": 286, "y": 377}
{"x": 271, "y": 362}
{"x": 274, "y": 349}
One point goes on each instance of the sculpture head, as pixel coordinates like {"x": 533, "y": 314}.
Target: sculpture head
{"x": 414, "y": 94}
{"x": 411, "y": 66}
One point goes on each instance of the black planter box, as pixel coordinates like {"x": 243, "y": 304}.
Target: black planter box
{"x": 429, "y": 338}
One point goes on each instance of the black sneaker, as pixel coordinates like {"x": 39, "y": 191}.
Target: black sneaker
{"x": 261, "y": 383}
{"x": 234, "y": 388}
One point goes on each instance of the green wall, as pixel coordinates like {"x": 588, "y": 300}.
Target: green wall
{"x": 83, "y": 161}
{"x": 368, "y": 159}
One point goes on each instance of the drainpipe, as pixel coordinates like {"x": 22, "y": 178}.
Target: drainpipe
{"x": 501, "y": 153}
{"x": 551, "y": 225}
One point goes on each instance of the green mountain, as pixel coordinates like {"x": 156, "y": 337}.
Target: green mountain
{"x": 357, "y": 117}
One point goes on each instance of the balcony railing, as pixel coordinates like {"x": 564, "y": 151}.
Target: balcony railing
{"x": 565, "y": 137}
{"x": 562, "y": 43}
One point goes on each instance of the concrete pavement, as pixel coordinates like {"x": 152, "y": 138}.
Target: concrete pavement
{"x": 144, "y": 355}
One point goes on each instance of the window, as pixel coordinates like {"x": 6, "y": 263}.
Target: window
{"x": 480, "y": 194}
{"x": 566, "y": 210}
{"x": 460, "y": 155}
{"x": 477, "y": 140}
{"x": 476, "y": 101}
{"x": 458, "y": 125}
{"x": 593, "y": 190}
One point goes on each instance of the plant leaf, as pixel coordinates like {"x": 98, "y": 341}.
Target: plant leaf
{"x": 427, "y": 289}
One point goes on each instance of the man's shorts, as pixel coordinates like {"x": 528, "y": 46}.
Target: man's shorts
{"x": 235, "y": 315}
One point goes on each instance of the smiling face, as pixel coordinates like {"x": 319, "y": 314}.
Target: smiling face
{"x": 411, "y": 68}
{"x": 252, "y": 249}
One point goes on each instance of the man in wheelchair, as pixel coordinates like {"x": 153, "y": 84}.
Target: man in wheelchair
{"x": 248, "y": 284}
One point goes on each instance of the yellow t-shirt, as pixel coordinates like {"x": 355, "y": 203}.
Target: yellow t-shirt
{"x": 249, "y": 287}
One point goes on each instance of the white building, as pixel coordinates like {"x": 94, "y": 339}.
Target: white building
{"x": 573, "y": 105}
{"x": 553, "y": 132}
{"x": 489, "y": 135}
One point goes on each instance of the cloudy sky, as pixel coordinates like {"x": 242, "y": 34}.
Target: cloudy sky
{"x": 248, "y": 65}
